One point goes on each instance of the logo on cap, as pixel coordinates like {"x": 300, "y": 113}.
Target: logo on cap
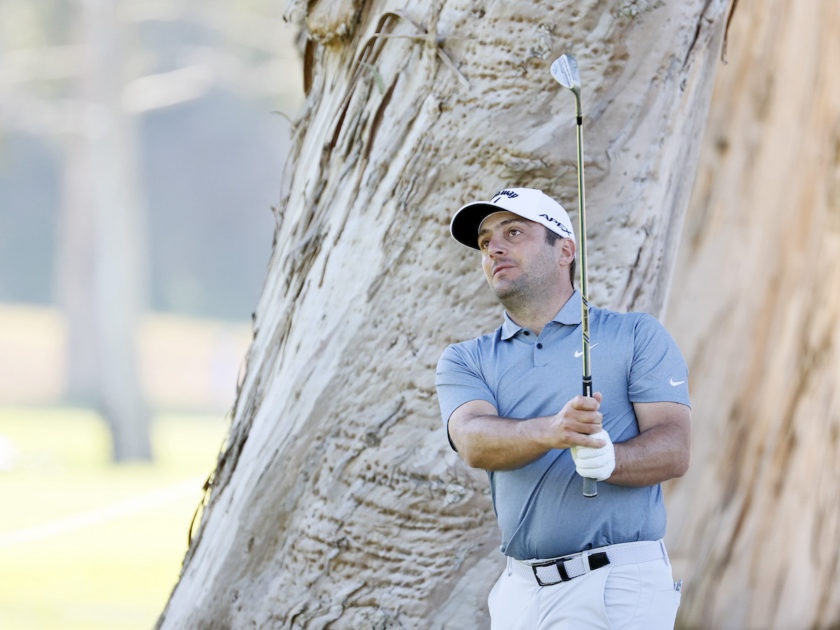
{"x": 504, "y": 193}
{"x": 562, "y": 227}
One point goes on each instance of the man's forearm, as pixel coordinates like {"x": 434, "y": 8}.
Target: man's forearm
{"x": 488, "y": 441}
{"x": 655, "y": 455}
{"x": 494, "y": 443}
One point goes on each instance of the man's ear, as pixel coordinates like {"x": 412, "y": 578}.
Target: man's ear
{"x": 567, "y": 248}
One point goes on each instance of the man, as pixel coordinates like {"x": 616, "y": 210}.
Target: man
{"x": 510, "y": 404}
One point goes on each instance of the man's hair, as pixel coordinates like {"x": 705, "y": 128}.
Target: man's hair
{"x": 551, "y": 238}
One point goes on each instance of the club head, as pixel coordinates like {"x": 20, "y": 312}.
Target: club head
{"x": 565, "y": 72}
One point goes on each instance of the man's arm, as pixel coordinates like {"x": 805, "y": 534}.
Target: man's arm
{"x": 660, "y": 452}
{"x": 490, "y": 442}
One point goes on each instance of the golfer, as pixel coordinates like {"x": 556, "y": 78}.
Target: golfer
{"x": 511, "y": 405}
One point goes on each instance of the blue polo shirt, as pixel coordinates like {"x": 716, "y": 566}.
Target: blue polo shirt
{"x": 540, "y": 508}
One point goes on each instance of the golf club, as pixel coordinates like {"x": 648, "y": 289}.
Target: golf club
{"x": 565, "y": 72}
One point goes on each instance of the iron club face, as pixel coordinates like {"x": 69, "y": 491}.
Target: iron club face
{"x": 565, "y": 72}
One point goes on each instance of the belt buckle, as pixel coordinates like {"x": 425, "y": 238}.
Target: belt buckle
{"x": 560, "y": 563}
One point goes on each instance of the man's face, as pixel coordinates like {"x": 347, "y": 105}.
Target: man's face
{"x": 518, "y": 261}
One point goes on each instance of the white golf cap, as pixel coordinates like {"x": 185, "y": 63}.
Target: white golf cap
{"x": 528, "y": 203}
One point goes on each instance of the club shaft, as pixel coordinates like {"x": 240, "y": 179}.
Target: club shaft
{"x": 590, "y": 486}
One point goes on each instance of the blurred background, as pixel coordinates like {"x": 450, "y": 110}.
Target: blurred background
{"x": 141, "y": 145}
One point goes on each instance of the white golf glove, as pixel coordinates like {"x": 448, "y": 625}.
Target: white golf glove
{"x": 595, "y": 463}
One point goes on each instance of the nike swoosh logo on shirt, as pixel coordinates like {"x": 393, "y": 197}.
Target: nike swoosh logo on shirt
{"x": 579, "y": 353}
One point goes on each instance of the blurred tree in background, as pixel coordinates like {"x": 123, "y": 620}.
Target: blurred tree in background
{"x": 138, "y": 146}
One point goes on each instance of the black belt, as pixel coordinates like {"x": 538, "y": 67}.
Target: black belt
{"x": 565, "y": 568}
{"x": 568, "y": 567}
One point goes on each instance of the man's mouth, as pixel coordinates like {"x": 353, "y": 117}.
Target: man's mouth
{"x": 501, "y": 267}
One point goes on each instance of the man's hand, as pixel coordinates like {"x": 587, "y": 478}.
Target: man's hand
{"x": 576, "y": 424}
{"x": 595, "y": 463}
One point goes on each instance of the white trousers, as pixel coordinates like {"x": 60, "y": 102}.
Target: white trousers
{"x": 633, "y": 596}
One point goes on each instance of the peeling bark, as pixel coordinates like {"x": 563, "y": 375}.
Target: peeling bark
{"x": 756, "y": 521}
{"x": 337, "y": 502}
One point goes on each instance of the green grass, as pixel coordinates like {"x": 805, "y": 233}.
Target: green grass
{"x": 118, "y": 533}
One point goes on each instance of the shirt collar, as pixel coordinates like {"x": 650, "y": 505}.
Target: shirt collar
{"x": 569, "y": 315}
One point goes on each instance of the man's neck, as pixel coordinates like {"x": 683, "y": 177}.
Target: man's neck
{"x": 534, "y": 315}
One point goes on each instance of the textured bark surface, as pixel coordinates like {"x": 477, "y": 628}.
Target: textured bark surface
{"x": 756, "y": 308}
{"x": 337, "y": 502}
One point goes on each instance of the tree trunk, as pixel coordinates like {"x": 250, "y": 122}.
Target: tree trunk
{"x": 75, "y": 274}
{"x": 756, "y": 521}
{"x": 101, "y": 264}
{"x": 337, "y": 501}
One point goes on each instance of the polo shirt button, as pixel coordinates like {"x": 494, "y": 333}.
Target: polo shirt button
{"x": 539, "y": 346}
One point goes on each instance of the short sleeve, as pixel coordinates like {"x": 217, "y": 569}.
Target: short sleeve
{"x": 458, "y": 380}
{"x": 658, "y": 372}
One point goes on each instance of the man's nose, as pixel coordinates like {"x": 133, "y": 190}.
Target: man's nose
{"x": 496, "y": 246}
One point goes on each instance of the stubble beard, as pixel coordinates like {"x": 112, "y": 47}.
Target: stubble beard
{"x": 534, "y": 281}
{"x": 515, "y": 294}
{"x": 527, "y": 290}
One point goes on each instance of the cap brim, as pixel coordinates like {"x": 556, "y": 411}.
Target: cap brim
{"x": 465, "y": 223}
